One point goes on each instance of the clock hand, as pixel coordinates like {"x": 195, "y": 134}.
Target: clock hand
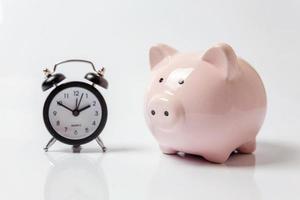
{"x": 59, "y": 103}
{"x": 79, "y": 102}
{"x": 84, "y": 108}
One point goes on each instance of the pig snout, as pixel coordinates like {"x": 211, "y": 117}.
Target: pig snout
{"x": 164, "y": 111}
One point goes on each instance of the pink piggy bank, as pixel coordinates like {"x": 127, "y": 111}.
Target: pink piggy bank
{"x": 208, "y": 105}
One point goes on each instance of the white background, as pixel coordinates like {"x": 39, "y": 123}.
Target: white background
{"x": 118, "y": 34}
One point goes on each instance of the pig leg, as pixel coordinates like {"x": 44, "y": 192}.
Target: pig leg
{"x": 217, "y": 157}
{"x": 248, "y": 147}
{"x": 167, "y": 150}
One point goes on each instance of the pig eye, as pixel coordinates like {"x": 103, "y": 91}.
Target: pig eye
{"x": 161, "y": 80}
{"x": 181, "y": 81}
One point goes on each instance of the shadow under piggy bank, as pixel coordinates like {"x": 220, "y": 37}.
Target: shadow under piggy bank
{"x": 268, "y": 153}
{"x": 278, "y": 154}
{"x": 76, "y": 177}
{"x": 191, "y": 178}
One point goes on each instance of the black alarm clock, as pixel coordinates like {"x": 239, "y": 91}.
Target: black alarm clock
{"x": 75, "y": 112}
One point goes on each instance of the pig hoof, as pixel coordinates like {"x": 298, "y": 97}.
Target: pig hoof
{"x": 167, "y": 150}
{"x": 248, "y": 147}
{"x": 217, "y": 158}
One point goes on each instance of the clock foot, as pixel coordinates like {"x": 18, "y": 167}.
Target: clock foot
{"x": 99, "y": 141}
{"x": 76, "y": 148}
{"x": 50, "y": 143}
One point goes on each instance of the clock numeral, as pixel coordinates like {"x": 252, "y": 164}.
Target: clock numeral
{"x": 75, "y": 132}
{"x": 76, "y": 93}
{"x": 94, "y": 123}
{"x": 66, "y": 128}
{"x": 94, "y": 103}
{"x": 57, "y": 123}
{"x": 86, "y": 130}
{"x": 96, "y": 113}
{"x": 66, "y": 95}
{"x": 86, "y": 95}
{"x": 54, "y": 113}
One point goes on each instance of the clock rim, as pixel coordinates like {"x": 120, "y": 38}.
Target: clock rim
{"x": 51, "y": 96}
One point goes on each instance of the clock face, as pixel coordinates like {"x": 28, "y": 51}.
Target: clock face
{"x": 75, "y": 113}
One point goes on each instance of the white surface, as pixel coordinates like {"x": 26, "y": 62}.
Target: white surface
{"x": 117, "y": 35}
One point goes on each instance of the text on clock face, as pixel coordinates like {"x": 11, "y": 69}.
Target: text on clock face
{"x": 75, "y": 113}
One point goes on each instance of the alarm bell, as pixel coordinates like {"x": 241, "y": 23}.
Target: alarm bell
{"x": 97, "y": 79}
{"x": 52, "y": 79}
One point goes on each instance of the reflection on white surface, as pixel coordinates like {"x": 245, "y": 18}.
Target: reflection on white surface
{"x": 76, "y": 177}
{"x": 190, "y": 177}
{"x": 137, "y": 172}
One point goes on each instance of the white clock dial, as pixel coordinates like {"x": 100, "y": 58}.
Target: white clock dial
{"x": 75, "y": 113}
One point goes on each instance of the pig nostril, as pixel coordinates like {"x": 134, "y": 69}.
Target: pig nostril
{"x": 166, "y": 113}
{"x": 152, "y": 112}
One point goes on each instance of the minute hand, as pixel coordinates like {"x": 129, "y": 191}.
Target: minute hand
{"x": 59, "y": 103}
{"x": 77, "y": 105}
{"x": 84, "y": 108}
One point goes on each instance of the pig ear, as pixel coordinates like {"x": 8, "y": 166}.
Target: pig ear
{"x": 223, "y": 57}
{"x": 158, "y": 53}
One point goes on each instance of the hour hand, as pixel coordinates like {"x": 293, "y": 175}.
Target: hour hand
{"x": 84, "y": 108}
{"x": 60, "y": 103}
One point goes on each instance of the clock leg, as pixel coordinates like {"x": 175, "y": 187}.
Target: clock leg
{"x": 50, "y": 143}
{"x": 76, "y": 148}
{"x": 99, "y": 141}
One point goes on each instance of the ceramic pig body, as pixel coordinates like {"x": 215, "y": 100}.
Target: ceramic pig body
{"x": 209, "y": 105}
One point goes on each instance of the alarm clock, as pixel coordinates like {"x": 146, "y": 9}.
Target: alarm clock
{"x": 74, "y": 112}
